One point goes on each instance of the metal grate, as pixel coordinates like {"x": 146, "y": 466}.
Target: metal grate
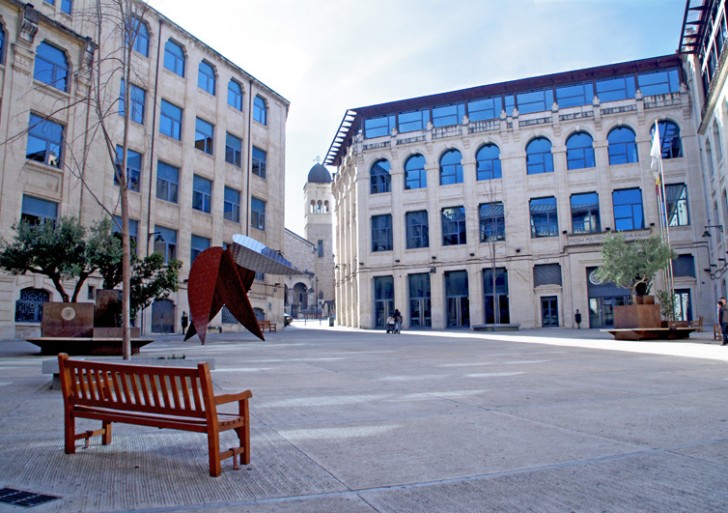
{"x": 24, "y": 499}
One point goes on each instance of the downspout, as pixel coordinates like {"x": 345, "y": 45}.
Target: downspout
{"x": 154, "y": 138}
{"x": 249, "y": 164}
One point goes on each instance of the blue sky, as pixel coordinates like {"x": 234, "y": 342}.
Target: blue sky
{"x": 326, "y": 56}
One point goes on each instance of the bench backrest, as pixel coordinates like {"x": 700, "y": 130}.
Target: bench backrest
{"x": 176, "y": 391}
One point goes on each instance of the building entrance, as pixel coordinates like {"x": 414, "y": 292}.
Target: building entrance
{"x": 458, "y": 304}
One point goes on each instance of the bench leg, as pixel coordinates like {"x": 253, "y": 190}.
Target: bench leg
{"x": 106, "y": 437}
{"x": 244, "y": 432}
{"x": 213, "y": 448}
{"x": 69, "y": 434}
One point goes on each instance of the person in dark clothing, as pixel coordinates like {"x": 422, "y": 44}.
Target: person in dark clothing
{"x": 577, "y": 319}
{"x": 724, "y": 320}
{"x": 397, "y": 321}
{"x": 185, "y": 321}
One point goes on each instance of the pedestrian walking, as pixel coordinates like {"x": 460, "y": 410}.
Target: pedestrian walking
{"x": 185, "y": 321}
{"x": 577, "y": 319}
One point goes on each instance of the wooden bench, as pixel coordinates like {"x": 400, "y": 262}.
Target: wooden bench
{"x": 164, "y": 397}
{"x": 267, "y": 325}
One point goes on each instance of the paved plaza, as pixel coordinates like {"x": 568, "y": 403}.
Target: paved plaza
{"x": 358, "y": 421}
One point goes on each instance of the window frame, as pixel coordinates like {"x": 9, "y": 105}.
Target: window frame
{"x": 56, "y": 65}
{"x": 488, "y": 167}
{"x": 133, "y": 174}
{"x": 231, "y": 204}
{"x": 201, "y": 194}
{"x": 259, "y": 162}
{"x": 417, "y": 226}
{"x": 415, "y": 177}
{"x": 233, "y": 154}
{"x": 492, "y": 224}
{"x": 544, "y": 224}
{"x": 380, "y": 177}
{"x": 167, "y": 189}
{"x": 260, "y": 110}
{"x": 207, "y": 79}
{"x": 174, "y": 57}
{"x": 637, "y": 221}
{"x": 451, "y": 173}
{"x": 39, "y": 133}
{"x": 454, "y": 229}
{"x": 204, "y": 136}
{"x": 166, "y": 109}
{"x": 622, "y": 149}
{"x": 590, "y": 221}
{"x": 539, "y": 160}
{"x": 137, "y": 99}
{"x": 257, "y": 213}
{"x": 381, "y": 233}
{"x": 235, "y": 97}
{"x": 580, "y": 156}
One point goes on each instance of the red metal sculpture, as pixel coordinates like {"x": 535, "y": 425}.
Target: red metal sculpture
{"x": 216, "y": 280}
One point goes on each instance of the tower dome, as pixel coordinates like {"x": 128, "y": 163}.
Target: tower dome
{"x": 319, "y": 174}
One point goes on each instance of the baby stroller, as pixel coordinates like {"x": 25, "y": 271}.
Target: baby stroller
{"x": 390, "y": 324}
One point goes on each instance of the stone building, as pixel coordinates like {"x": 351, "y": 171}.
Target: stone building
{"x": 312, "y": 293}
{"x": 489, "y": 205}
{"x": 206, "y": 145}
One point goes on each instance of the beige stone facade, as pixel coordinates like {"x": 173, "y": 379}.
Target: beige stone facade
{"x": 230, "y": 180}
{"x": 543, "y": 251}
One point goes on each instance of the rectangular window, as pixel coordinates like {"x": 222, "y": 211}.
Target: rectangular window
{"x": 575, "y": 95}
{"x": 585, "y": 213}
{"x": 257, "y": 213}
{"x": 628, "y": 213}
{"x": 133, "y": 231}
{"x": 684, "y": 265}
{"x": 259, "y": 161}
{"x": 137, "y": 98}
{"x": 37, "y": 210}
{"x": 45, "y": 141}
{"x": 487, "y": 108}
{"x": 170, "y": 120}
{"x": 167, "y": 182}
{"x": 418, "y": 230}
{"x": 613, "y": 89}
{"x": 204, "y": 135}
{"x": 66, "y": 6}
{"x": 231, "y": 208}
{"x": 233, "y": 150}
{"x": 198, "y": 245}
{"x": 165, "y": 243}
{"x": 133, "y": 168}
{"x": 492, "y": 221}
{"x": 382, "y": 239}
{"x": 235, "y": 95}
{"x": 379, "y": 127}
{"x": 535, "y": 101}
{"x": 544, "y": 222}
{"x": 201, "y": 194}
{"x": 320, "y": 248}
{"x": 676, "y": 204}
{"x": 453, "y": 226}
{"x": 546, "y": 274}
{"x": 413, "y": 121}
{"x": 448, "y": 115}
{"x": 659, "y": 82}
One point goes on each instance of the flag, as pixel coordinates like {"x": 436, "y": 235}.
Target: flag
{"x": 656, "y": 153}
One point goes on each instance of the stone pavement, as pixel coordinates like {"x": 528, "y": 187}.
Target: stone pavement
{"x": 358, "y": 421}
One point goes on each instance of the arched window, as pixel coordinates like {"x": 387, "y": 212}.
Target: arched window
{"x": 579, "y": 151}
{"x": 622, "y": 146}
{"x": 670, "y": 142}
{"x": 139, "y": 36}
{"x": 260, "y": 110}
{"x": 29, "y": 307}
{"x": 313, "y": 207}
{"x": 451, "y": 167}
{"x": 415, "y": 176}
{"x": 206, "y": 77}
{"x": 51, "y": 66}
{"x": 538, "y": 156}
{"x": 489, "y": 164}
{"x": 379, "y": 178}
{"x": 174, "y": 58}
{"x": 235, "y": 94}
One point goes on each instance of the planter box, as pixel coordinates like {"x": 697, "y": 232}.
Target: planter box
{"x": 637, "y": 316}
{"x": 68, "y": 320}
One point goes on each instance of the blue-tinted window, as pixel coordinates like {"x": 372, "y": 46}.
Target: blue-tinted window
{"x": 448, "y": 115}
{"x": 382, "y": 233}
{"x": 167, "y": 182}
{"x": 379, "y": 178}
{"x": 659, "y": 82}
{"x": 140, "y": 37}
{"x": 535, "y": 101}
{"x": 201, "y": 194}
{"x": 487, "y": 108}
{"x": 538, "y": 156}
{"x": 2, "y": 44}
{"x": 383, "y": 299}
{"x": 379, "y": 127}
{"x": 492, "y": 221}
{"x": 51, "y": 66}
{"x": 628, "y": 213}
{"x": 579, "y": 151}
{"x": 585, "y": 213}
{"x": 575, "y": 95}
{"x": 453, "y": 226}
{"x": 174, "y": 58}
{"x": 204, "y": 135}
{"x": 622, "y": 146}
{"x": 613, "y": 89}
{"x": 137, "y": 99}
{"x": 257, "y": 211}
{"x": 235, "y": 95}
{"x": 45, "y": 141}
{"x": 165, "y": 243}
{"x": 231, "y": 207}
{"x": 413, "y": 121}
{"x": 676, "y": 204}
{"x": 198, "y": 245}
{"x": 170, "y": 120}
{"x": 418, "y": 229}
{"x": 260, "y": 110}
{"x": 670, "y": 141}
{"x": 488, "y": 161}
{"x": 66, "y": 6}
{"x": 259, "y": 162}
{"x": 37, "y": 210}
{"x": 133, "y": 231}
{"x": 544, "y": 222}
{"x": 233, "y": 150}
{"x": 451, "y": 168}
{"x": 415, "y": 176}
{"x": 133, "y": 168}
{"x": 206, "y": 77}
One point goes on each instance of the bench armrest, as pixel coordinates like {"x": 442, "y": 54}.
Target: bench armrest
{"x": 231, "y": 398}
